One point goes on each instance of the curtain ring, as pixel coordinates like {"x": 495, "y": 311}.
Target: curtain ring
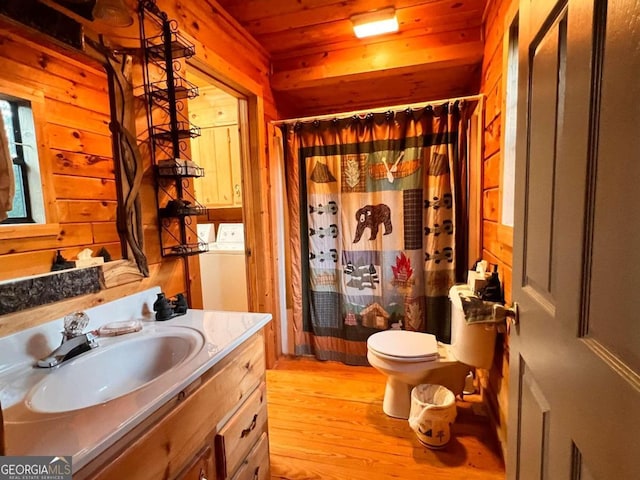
{"x": 388, "y": 115}
{"x": 316, "y": 123}
{"x": 297, "y": 126}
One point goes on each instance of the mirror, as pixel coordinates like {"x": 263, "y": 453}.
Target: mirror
{"x": 80, "y": 174}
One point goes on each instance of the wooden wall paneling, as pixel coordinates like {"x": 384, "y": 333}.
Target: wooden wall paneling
{"x": 60, "y": 113}
{"x": 148, "y": 193}
{"x": 222, "y": 25}
{"x": 104, "y": 232}
{"x": 497, "y": 238}
{"x": 69, "y": 234}
{"x": 492, "y": 87}
{"x": 152, "y": 243}
{"x": 226, "y": 50}
{"x": 222, "y": 43}
{"x": 75, "y": 211}
{"x": 78, "y": 141}
{"x": 79, "y": 188}
{"x": 57, "y": 88}
{"x": 491, "y": 177}
{"x": 32, "y": 63}
{"x": 15, "y": 265}
{"x": 31, "y": 54}
{"x": 81, "y": 164}
{"x": 494, "y": 30}
{"x": 494, "y": 244}
{"x": 493, "y": 132}
{"x": 490, "y": 204}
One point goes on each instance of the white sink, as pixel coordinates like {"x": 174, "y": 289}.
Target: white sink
{"x": 112, "y": 371}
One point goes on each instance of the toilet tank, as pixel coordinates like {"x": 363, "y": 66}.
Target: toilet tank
{"x": 472, "y": 344}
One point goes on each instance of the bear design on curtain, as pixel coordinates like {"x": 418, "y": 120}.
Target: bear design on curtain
{"x": 377, "y": 208}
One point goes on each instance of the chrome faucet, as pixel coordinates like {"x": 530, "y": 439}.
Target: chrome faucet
{"x": 74, "y": 342}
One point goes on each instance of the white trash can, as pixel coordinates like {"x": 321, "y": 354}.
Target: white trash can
{"x": 433, "y": 410}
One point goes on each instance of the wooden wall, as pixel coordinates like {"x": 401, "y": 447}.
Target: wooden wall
{"x": 71, "y": 110}
{"x": 497, "y": 239}
{"x": 78, "y": 151}
{"x": 71, "y": 107}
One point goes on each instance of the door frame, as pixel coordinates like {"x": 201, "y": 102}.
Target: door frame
{"x": 256, "y": 208}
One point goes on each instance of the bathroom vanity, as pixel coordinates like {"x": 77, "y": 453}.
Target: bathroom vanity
{"x": 202, "y": 415}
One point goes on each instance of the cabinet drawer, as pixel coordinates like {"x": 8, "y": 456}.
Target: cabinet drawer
{"x": 256, "y": 465}
{"x": 240, "y": 377}
{"x": 235, "y": 440}
{"x": 201, "y": 468}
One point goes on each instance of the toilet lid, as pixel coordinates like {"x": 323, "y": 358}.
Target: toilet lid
{"x": 402, "y": 344}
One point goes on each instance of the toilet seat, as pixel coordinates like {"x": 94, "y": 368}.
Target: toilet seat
{"x": 404, "y": 346}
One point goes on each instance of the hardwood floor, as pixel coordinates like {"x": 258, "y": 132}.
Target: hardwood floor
{"x": 326, "y": 423}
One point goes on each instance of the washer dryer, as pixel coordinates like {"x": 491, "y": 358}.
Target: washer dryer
{"x": 223, "y": 271}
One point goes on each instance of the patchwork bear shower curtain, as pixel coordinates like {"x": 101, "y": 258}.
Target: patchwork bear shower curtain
{"x": 377, "y": 209}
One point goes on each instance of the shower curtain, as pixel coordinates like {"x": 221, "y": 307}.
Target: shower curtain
{"x": 377, "y": 209}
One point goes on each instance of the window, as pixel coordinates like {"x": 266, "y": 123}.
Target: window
{"x": 17, "y": 116}
{"x": 510, "y": 120}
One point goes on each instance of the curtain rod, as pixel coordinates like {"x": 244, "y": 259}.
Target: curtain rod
{"x": 289, "y": 121}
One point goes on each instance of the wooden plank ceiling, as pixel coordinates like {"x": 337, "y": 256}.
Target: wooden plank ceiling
{"x": 319, "y": 66}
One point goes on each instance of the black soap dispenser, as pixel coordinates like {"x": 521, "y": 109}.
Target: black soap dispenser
{"x": 180, "y": 305}
{"x": 163, "y": 308}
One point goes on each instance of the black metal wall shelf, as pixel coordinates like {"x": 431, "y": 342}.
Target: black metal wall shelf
{"x": 185, "y": 250}
{"x": 182, "y": 89}
{"x": 181, "y": 211}
{"x": 163, "y": 47}
{"x": 177, "y": 45}
{"x": 180, "y": 129}
{"x": 168, "y": 168}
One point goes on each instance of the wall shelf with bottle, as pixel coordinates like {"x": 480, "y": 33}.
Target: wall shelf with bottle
{"x": 170, "y": 131}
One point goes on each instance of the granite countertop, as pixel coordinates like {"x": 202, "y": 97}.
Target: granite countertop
{"x": 86, "y": 432}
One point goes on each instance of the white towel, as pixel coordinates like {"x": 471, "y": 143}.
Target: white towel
{"x": 7, "y": 182}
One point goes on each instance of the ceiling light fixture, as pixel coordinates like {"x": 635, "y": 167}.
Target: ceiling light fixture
{"x": 375, "y": 23}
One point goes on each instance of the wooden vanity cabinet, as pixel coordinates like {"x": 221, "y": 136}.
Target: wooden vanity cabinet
{"x": 202, "y": 467}
{"x": 210, "y": 430}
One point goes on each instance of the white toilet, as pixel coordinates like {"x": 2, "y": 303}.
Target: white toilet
{"x": 412, "y": 358}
